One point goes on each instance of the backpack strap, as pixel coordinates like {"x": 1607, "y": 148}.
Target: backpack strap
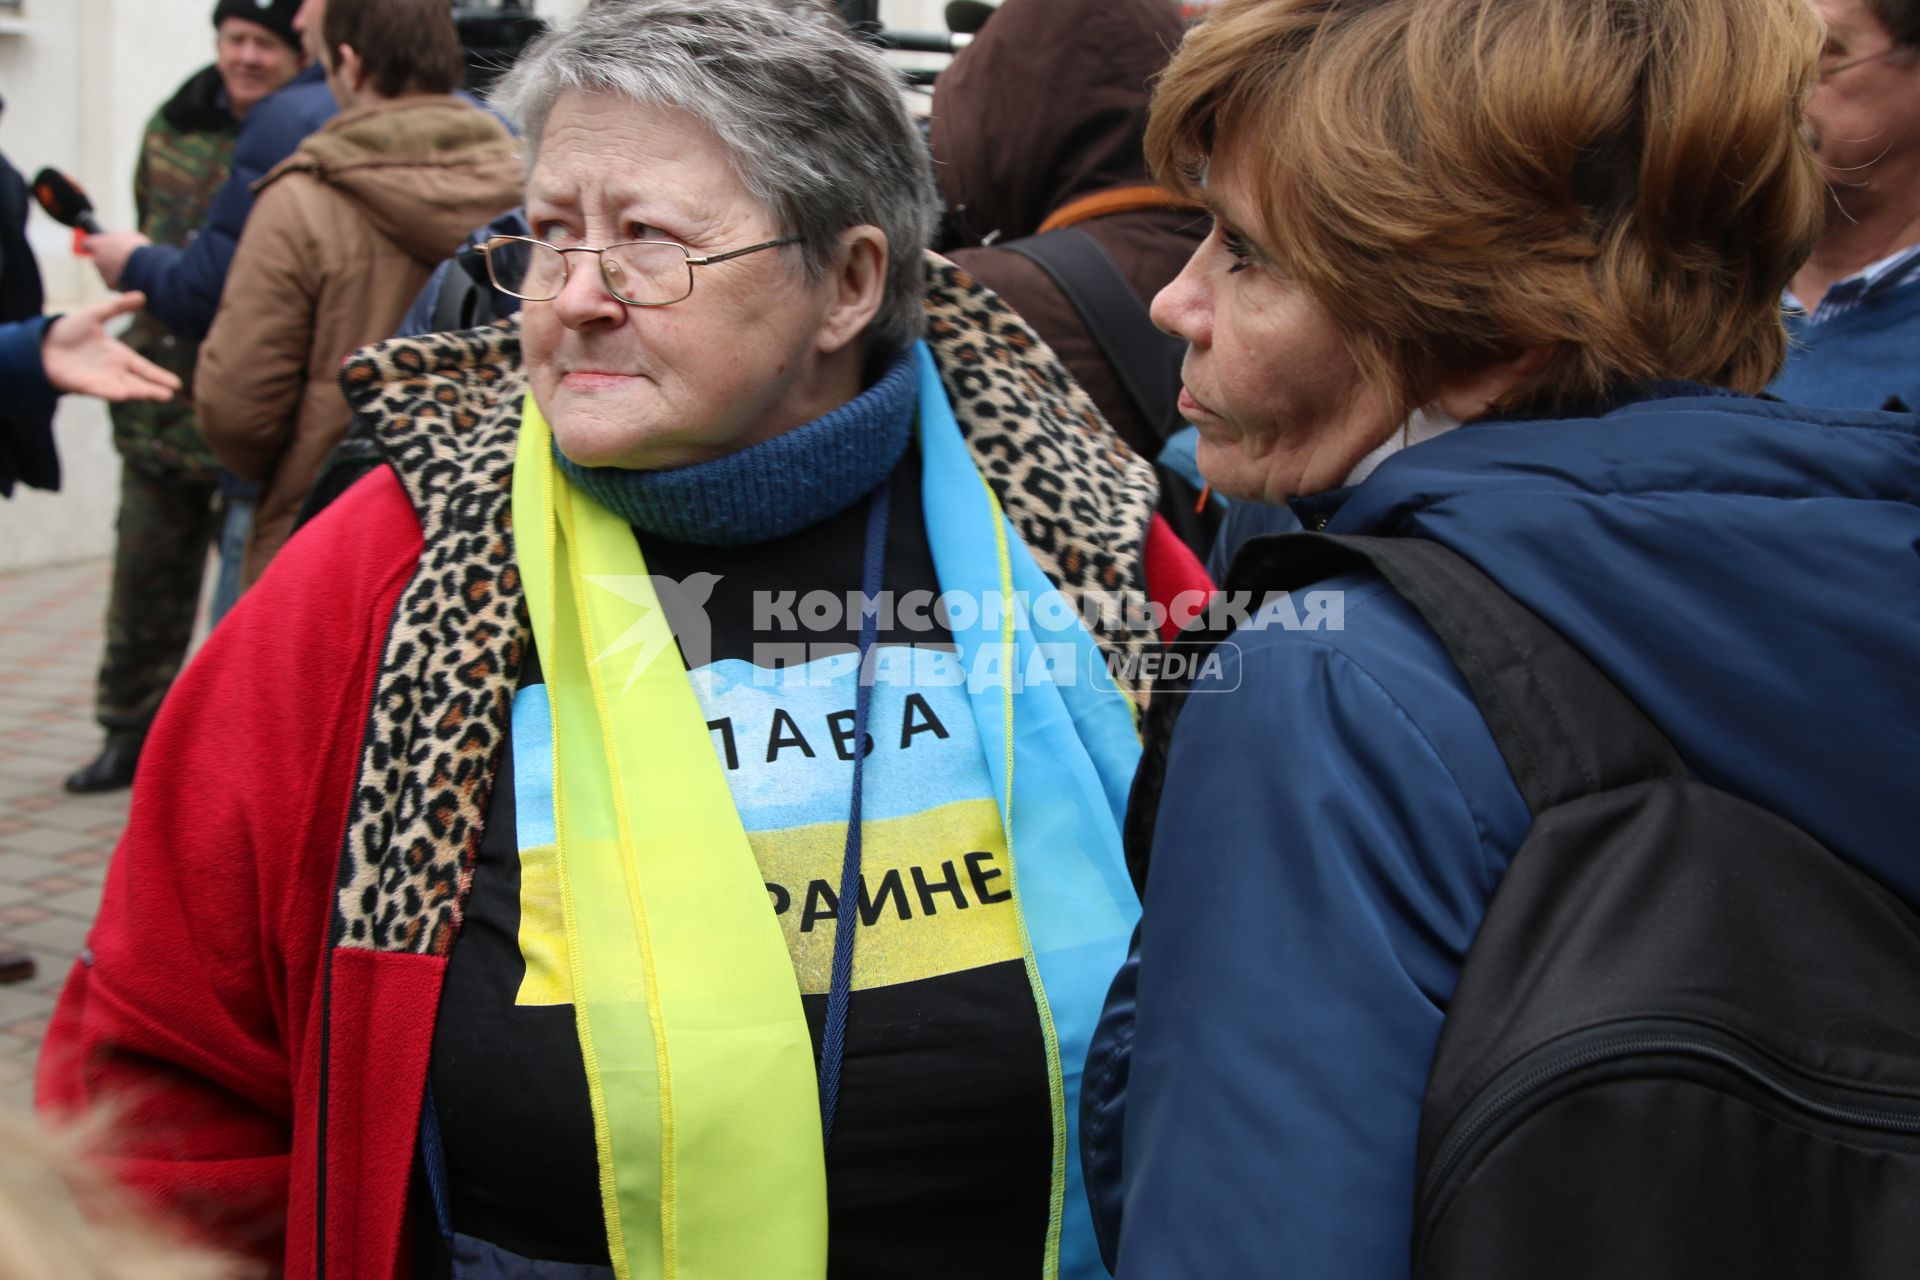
{"x": 451, "y": 307}
{"x": 1128, "y": 199}
{"x": 356, "y": 454}
{"x": 1146, "y": 361}
{"x": 1564, "y": 727}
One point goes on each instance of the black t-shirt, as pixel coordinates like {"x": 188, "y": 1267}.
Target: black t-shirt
{"x": 941, "y": 1153}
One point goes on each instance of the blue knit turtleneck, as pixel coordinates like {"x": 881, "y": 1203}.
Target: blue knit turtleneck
{"x": 773, "y": 488}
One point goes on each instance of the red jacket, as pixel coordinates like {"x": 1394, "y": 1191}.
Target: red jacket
{"x": 197, "y": 1006}
{"x": 258, "y": 995}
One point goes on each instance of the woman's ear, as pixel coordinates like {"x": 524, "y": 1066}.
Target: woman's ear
{"x": 859, "y": 279}
{"x": 348, "y": 67}
{"x": 1465, "y": 398}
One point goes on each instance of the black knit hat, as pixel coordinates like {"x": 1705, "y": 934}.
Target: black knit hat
{"x": 275, "y": 15}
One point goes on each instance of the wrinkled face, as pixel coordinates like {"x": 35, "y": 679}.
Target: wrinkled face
{"x": 650, "y": 388}
{"x": 253, "y": 62}
{"x": 1278, "y": 402}
{"x": 1864, "y": 119}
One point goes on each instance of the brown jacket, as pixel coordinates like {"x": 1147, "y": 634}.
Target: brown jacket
{"x": 342, "y": 237}
{"x": 1048, "y": 106}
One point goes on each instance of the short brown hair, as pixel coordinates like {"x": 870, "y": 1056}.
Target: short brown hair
{"x": 1457, "y": 181}
{"x": 405, "y": 46}
{"x": 1901, "y": 18}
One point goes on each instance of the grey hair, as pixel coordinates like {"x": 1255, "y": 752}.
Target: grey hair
{"x": 811, "y": 116}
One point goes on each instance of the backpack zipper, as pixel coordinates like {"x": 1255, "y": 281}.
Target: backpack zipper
{"x": 1522, "y": 1081}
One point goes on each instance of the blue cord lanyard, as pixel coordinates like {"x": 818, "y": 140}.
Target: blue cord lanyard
{"x": 833, "y": 1037}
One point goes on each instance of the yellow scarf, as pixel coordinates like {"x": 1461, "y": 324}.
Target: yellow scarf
{"x": 688, "y": 955}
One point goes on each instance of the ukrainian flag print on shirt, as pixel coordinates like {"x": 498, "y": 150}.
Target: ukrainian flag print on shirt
{"x": 934, "y": 896}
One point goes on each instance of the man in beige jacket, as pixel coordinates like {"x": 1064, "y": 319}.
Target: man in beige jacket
{"x": 344, "y": 234}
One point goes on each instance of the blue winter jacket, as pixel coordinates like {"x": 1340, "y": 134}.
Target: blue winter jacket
{"x": 1330, "y": 831}
{"x": 22, "y": 373}
{"x": 183, "y": 286}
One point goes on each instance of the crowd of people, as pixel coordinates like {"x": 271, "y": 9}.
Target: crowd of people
{"x": 1278, "y": 647}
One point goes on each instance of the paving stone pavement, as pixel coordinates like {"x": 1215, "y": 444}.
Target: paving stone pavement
{"x": 54, "y": 847}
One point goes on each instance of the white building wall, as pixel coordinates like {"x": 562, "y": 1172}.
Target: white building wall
{"x": 80, "y": 78}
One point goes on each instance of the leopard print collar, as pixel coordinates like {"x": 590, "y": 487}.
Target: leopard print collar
{"x": 445, "y": 408}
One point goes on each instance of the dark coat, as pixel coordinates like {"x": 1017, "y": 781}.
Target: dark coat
{"x": 26, "y": 425}
{"x": 1049, "y": 105}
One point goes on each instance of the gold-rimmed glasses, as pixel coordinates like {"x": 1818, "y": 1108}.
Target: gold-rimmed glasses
{"x": 640, "y": 273}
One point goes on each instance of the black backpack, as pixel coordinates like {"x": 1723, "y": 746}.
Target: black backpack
{"x": 1686, "y": 1040}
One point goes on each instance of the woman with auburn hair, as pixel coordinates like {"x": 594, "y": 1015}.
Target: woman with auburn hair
{"x": 1503, "y": 275}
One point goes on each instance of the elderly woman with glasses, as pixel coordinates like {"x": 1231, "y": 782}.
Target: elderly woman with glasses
{"x": 666, "y": 823}
{"x": 1502, "y": 276}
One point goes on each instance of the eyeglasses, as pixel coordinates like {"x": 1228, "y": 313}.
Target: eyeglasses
{"x": 1828, "y": 73}
{"x": 640, "y": 273}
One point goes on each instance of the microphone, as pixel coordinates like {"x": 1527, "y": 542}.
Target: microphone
{"x": 64, "y": 201}
{"x": 966, "y": 17}
{"x": 922, "y": 41}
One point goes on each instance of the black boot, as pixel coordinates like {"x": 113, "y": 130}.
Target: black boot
{"x": 15, "y": 965}
{"x": 112, "y": 769}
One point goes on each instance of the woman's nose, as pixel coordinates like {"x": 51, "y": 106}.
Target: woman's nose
{"x": 1183, "y": 307}
{"x": 584, "y": 297}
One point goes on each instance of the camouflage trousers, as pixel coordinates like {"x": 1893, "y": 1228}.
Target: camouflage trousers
{"x": 165, "y": 529}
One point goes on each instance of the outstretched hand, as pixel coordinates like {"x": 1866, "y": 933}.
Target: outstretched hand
{"x": 82, "y": 357}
